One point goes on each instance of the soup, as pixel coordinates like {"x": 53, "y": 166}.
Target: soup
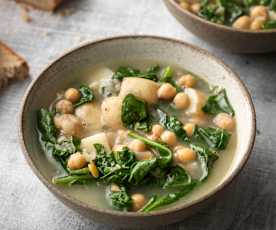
{"x": 239, "y": 14}
{"x": 138, "y": 139}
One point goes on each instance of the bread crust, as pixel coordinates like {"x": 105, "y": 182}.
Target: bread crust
{"x": 12, "y": 66}
{"x": 50, "y": 5}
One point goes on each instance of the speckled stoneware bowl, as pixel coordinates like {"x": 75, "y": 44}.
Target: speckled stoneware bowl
{"x": 57, "y": 77}
{"x": 236, "y": 41}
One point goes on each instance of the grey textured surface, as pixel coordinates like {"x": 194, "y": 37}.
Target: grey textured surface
{"x": 250, "y": 202}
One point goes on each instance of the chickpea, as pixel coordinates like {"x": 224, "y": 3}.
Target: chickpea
{"x": 184, "y": 155}
{"x": 138, "y": 201}
{"x": 69, "y": 124}
{"x": 166, "y": 91}
{"x": 157, "y": 130}
{"x": 181, "y": 100}
{"x": 187, "y": 80}
{"x": 259, "y": 11}
{"x": 115, "y": 188}
{"x": 224, "y": 121}
{"x": 64, "y": 106}
{"x": 76, "y": 161}
{"x": 137, "y": 146}
{"x": 72, "y": 95}
{"x": 152, "y": 137}
{"x": 257, "y": 23}
{"x": 195, "y": 7}
{"x": 168, "y": 137}
{"x": 242, "y": 22}
{"x": 199, "y": 119}
{"x": 185, "y": 5}
{"x": 189, "y": 128}
{"x": 142, "y": 156}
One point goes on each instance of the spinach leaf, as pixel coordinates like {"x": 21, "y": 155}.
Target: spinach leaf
{"x": 270, "y": 24}
{"x": 212, "y": 12}
{"x": 135, "y": 114}
{"x": 273, "y": 6}
{"x": 82, "y": 171}
{"x": 233, "y": 11}
{"x": 119, "y": 200}
{"x": 62, "y": 149}
{"x": 72, "y": 179}
{"x": 165, "y": 158}
{"x": 167, "y": 76}
{"x": 177, "y": 178}
{"x": 46, "y": 125}
{"x": 87, "y": 95}
{"x": 114, "y": 166}
{"x": 206, "y": 158}
{"x": 150, "y": 73}
{"x": 249, "y": 3}
{"x": 173, "y": 124}
{"x": 218, "y": 103}
{"x": 125, "y": 158}
{"x": 158, "y": 201}
{"x": 140, "y": 170}
{"x": 215, "y": 138}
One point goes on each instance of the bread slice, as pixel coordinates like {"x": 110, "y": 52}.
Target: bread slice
{"x": 12, "y": 66}
{"x": 49, "y": 5}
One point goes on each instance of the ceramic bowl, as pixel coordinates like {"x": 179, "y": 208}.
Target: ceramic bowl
{"x": 236, "y": 41}
{"x": 58, "y": 76}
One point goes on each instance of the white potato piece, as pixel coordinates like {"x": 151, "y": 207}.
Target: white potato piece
{"x": 142, "y": 88}
{"x": 111, "y": 112}
{"x": 197, "y": 101}
{"x": 90, "y": 114}
{"x": 87, "y": 145}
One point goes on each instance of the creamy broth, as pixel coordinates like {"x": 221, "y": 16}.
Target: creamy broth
{"x": 95, "y": 120}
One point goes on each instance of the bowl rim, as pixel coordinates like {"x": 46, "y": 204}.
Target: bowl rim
{"x": 73, "y": 201}
{"x": 219, "y": 26}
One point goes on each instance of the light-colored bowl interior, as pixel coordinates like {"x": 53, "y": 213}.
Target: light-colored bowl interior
{"x": 62, "y": 74}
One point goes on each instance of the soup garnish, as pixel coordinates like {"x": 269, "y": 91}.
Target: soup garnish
{"x": 244, "y": 14}
{"x": 135, "y": 129}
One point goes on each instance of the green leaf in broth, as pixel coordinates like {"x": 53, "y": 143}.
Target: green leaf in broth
{"x": 218, "y": 103}
{"x": 46, "y": 125}
{"x": 173, "y": 124}
{"x": 135, "y": 114}
{"x": 165, "y": 158}
{"x": 141, "y": 170}
{"x": 119, "y": 200}
{"x": 167, "y": 76}
{"x": 72, "y": 179}
{"x": 177, "y": 178}
{"x": 87, "y": 95}
{"x": 270, "y": 24}
{"x": 158, "y": 201}
{"x": 215, "y": 138}
{"x": 150, "y": 73}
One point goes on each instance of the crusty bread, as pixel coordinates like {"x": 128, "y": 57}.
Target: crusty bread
{"x": 12, "y": 66}
{"x": 42, "y": 4}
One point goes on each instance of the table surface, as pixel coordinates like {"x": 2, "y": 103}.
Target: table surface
{"x": 25, "y": 203}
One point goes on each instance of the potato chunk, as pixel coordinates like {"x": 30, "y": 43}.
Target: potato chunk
{"x": 90, "y": 114}
{"x": 142, "y": 88}
{"x": 87, "y": 145}
{"x": 111, "y": 112}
